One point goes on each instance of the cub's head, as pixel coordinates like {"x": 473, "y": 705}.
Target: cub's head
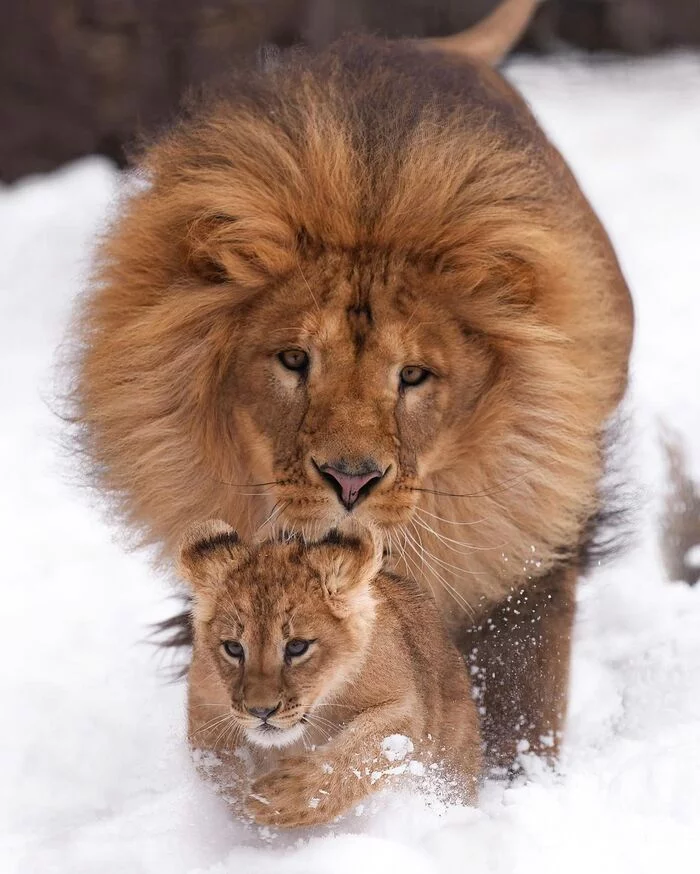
{"x": 281, "y": 625}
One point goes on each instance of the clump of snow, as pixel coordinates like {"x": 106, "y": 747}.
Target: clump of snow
{"x": 95, "y": 771}
{"x": 692, "y": 556}
{"x": 396, "y": 747}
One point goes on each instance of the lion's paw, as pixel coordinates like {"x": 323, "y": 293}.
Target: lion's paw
{"x": 299, "y": 792}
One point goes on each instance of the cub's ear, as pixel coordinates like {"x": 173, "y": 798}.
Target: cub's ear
{"x": 209, "y": 551}
{"x": 347, "y": 565}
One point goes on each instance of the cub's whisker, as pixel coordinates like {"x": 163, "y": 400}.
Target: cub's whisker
{"x": 331, "y": 704}
{"x": 214, "y": 723}
{"x": 311, "y": 720}
{"x": 322, "y": 719}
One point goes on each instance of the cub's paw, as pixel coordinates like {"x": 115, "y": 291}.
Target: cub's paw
{"x": 300, "y": 792}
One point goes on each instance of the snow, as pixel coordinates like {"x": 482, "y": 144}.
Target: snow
{"x": 396, "y": 747}
{"x": 692, "y": 556}
{"x": 95, "y": 771}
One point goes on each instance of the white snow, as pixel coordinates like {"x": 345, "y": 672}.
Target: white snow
{"x": 396, "y": 747}
{"x": 94, "y": 771}
{"x": 692, "y": 556}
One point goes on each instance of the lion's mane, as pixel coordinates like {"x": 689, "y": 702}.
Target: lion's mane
{"x": 378, "y": 146}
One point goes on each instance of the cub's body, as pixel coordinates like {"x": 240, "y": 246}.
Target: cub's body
{"x": 378, "y": 663}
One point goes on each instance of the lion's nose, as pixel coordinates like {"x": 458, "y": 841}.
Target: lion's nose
{"x": 263, "y": 713}
{"x": 351, "y": 481}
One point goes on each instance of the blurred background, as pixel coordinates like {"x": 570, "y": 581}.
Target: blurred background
{"x": 84, "y": 77}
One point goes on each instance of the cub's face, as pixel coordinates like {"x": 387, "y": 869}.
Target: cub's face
{"x": 349, "y": 387}
{"x": 281, "y": 626}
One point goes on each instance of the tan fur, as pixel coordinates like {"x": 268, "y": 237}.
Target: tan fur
{"x": 377, "y": 207}
{"x": 380, "y": 664}
{"x": 492, "y": 38}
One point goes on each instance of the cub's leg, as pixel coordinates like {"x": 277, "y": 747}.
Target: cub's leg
{"x": 227, "y": 773}
{"x": 522, "y": 652}
{"x": 318, "y": 786}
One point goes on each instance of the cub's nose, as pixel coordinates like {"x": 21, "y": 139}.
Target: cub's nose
{"x": 263, "y": 713}
{"x": 349, "y": 480}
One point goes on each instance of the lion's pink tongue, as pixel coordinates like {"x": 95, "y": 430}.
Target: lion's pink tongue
{"x": 350, "y": 485}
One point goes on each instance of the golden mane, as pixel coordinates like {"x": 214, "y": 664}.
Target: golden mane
{"x": 371, "y": 145}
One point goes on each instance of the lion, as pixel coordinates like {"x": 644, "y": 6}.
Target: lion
{"x": 318, "y": 669}
{"x": 363, "y": 287}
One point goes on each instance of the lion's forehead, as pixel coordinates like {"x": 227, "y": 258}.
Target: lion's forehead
{"x": 271, "y": 596}
{"x": 346, "y": 320}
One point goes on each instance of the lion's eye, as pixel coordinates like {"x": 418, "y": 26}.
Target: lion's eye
{"x": 233, "y": 649}
{"x": 296, "y": 648}
{"x": 294, "y": 359}
{"x": 413, "y": 375}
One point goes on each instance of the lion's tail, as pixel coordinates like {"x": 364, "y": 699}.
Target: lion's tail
{"x": 494, "y": 36}
{"x": 680, "y": 522}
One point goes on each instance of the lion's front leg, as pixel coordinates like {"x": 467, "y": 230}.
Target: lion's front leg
{"x": 319, "y": 786}
{"x": 523, "y": 663}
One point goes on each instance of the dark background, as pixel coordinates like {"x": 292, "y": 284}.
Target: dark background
{"x": 90, "y": 76}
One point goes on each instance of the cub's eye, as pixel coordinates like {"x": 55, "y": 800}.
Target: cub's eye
{"x": 294, "y": 359}
{"x": 233, "y": 649}
{"x": 296, "y": 648}
{"x": 412, "y": 375}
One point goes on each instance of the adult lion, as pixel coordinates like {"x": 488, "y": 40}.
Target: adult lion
{"x": 365, "y": 285}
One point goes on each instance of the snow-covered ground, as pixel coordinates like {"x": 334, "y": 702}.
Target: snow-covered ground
{"x": 94, "y": 772}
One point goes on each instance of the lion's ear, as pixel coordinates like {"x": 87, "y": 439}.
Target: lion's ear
{"x": 209, "y": 551}
{"x": 247, "y": 249}
{"x": 348, "y": 564}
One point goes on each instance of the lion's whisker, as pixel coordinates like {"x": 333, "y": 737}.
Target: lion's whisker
{"x": 265, "y": 494}
{"x": 449, "y": 588}
{"x": 410, "y": 563}
{"x": 499, "y": 488}
{"x": 425, "y": 512}
{"x": 277, "y": 509}
{"x": 264, "y": 486}
{"x": 446, "y": 541}
{"x": 456, "y": 569}
{"x": 306, "y": 282}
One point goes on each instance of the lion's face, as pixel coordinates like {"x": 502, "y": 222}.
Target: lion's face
{"x": 349, "y": 388}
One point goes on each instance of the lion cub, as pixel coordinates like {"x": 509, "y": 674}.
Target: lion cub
{"x": 307, "y": 659}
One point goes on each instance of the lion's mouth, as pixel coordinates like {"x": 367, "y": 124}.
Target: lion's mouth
{"x": 351, "y": 482}
{"x": 314, "y": 508}
{"x": 267, "y": 735}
